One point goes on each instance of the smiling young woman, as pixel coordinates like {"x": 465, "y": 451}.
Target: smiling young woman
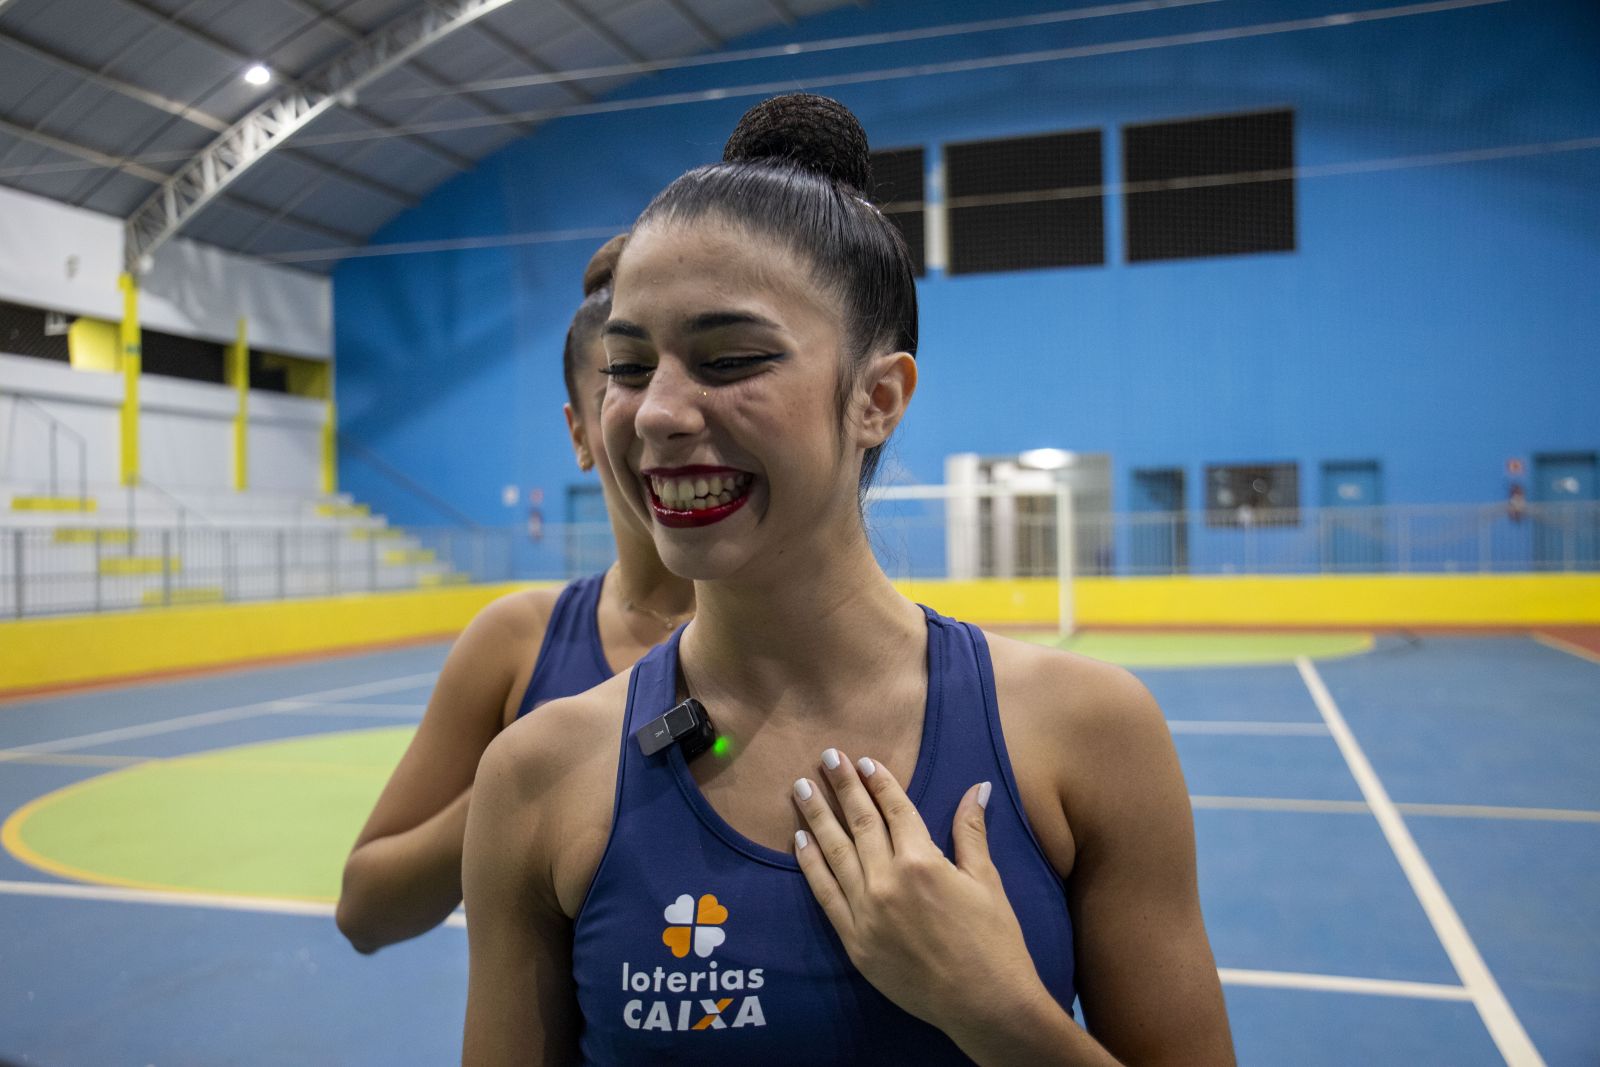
{"x": 777, "y": 900}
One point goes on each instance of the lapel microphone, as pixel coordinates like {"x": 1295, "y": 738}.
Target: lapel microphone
{"x": 686, "y": 724}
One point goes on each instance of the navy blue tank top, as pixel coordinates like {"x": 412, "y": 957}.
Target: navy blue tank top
{"x": 697, "y": 945}
{"x": 571, "y": 658}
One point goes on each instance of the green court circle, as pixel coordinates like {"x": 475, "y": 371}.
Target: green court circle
{"x": 267, "y": 820}
{"x": 277, "y": 819}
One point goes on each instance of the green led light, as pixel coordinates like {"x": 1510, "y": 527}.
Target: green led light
{"x": 720, "y": 747}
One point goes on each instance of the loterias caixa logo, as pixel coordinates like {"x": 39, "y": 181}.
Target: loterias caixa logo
{"x": 698, "y": 998}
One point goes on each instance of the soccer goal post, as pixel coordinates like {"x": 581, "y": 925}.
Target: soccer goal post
{"x": 996, "y": 554}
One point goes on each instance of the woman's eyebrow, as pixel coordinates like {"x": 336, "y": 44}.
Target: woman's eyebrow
{"x": 716, "y": 320}
{"x": 624, "y": 328}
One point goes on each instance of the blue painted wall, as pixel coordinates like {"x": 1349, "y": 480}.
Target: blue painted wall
{"x": 1439, "y": 319}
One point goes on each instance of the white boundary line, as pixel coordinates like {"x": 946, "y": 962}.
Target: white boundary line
{"x": 377, "y": 711}
{"x": 170, "y": 898}
{"x": 1509, "y": 1036}
{"x": 1321, "y": 983}
{"x": 1331, "y": 807}
{"x": 207, "y": 718}
{"x": 1261, "y": 729}
{"x": 1336, "y": 983}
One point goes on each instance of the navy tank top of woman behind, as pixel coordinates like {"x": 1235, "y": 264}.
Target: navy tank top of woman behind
{"x": 571, "y": 659}
{"x": 697, "y": 945}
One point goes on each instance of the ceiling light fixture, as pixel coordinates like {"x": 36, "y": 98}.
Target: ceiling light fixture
{"x": 257, "y": 74}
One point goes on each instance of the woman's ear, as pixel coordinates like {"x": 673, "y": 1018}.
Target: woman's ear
{"x": 888, "y": 384}
{"x": 580, "y": 443}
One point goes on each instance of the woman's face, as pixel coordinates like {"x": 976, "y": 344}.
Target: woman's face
{"x": 583, "y": 423}
{"x": 720, "y": 418}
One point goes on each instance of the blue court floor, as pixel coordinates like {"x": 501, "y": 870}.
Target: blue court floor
{"x": 1399, "y": 863}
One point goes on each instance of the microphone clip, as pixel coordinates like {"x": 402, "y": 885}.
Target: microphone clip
{"x": 686, "y": 724}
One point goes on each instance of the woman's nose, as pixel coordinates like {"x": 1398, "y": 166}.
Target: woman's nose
{"x": 672, "y": 404}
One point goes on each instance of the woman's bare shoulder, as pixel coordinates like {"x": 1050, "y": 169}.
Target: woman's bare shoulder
{"x": 554, "y": 772}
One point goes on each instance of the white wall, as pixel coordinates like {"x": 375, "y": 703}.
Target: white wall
{"x": 185, "y": 430}
{"x": 67, "y": 259}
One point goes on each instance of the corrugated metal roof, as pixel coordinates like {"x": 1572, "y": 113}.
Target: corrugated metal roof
{"x": 100, "y": 100}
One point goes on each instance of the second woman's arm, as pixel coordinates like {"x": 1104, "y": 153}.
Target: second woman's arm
{"x": 403, "y": 876}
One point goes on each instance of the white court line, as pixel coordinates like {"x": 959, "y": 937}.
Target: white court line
{"x": 169, "y": 898}
{"x": 1491, "y": 811}
{"x": 1504, "y": 1027}
{"x": 1360, "y": 807}
{"x": 1323, "y": 983}
{"x": 1337, "y": 807}
{"x": 1261, "y": 729}
{"x": 1338, "y": 983}
{"x": 207, "y": 718}
{"x": 318, "y": 707}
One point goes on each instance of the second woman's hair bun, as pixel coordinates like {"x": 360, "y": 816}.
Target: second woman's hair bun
{"x": 808, "y": 131}
{"x": 602, "y": 265}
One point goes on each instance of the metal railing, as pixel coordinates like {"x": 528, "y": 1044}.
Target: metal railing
{"x": 83, "y": 568}
{"x": 57, "y": 429}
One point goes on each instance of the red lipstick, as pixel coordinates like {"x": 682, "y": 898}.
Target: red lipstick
{"x": 696, "y": 495}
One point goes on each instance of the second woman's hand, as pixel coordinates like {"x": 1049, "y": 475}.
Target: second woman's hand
{"x": 938, "y": 938}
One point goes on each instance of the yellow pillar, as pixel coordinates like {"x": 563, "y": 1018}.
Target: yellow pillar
{"x": 238, "y": 375}
{"x": 330, "y": 443}
{"x": 132, "y": 356}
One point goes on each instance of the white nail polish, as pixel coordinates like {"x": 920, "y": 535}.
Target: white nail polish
{"x": 866, "y": 767}
{"x": 802, "y": 789}
{"x": 800, "y": 840}
{"x": 983, "y": 795}
{"x": 830, "y": 758}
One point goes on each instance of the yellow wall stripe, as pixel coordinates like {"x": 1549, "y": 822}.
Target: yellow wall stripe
{"x": 94, "y": 345}
{"x": 50, "y": 651}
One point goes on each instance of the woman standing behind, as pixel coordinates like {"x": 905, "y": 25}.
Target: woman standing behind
{"x": 779, "y": 901}
{"x": 403, "y": 876}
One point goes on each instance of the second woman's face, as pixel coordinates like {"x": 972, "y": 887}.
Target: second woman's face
{"x": 720, "y": 418}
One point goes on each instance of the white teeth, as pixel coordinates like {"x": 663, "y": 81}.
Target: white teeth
{"x": 697, "y": 494}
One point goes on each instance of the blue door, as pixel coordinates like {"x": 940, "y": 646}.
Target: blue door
{"x": 1566, "y": 519}
{"x": 1352, "y": 524}
{"x": 1160, "y": 529}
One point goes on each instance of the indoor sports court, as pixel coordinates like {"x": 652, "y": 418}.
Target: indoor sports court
{"x": 1257, "y": 356}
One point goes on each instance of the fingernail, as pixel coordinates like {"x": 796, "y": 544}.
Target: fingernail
{"x": 800, "y": 839}
{"x": 983, "y": 795}
{"x": 830, "y": 758}
{"x": 866, "y": 767}
{"x": 802, "y": 789}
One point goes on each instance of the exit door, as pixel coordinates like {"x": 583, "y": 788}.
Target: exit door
{"x": 1160, "y": 526}
{"x": 1352, "y": 525}
{"x": 1566, "y": 526}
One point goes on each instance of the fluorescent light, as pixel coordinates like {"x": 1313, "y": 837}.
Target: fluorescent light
{"x": 1046, "y": 459}
{"x": 257, "y": 74}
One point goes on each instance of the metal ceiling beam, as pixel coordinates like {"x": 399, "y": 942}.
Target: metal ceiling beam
{"x": 195, "y": 116}
{"x": 592, "y": 23}
{"x": 210, "y": 40}
{"x": 696, "y": 23}
{"x": 156, "y": 177}
{"x": 250, "y": 139}
{"x": 422, "y": 70}
{"x": 783, "y": 12}
{"x": 543, "y": 66}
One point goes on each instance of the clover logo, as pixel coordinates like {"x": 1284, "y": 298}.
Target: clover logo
{"x": 691, "y": 925}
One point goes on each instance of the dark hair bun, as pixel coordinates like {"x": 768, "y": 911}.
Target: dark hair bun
{"x": 809, "y": 131}
{"x": 603, "y": 264}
